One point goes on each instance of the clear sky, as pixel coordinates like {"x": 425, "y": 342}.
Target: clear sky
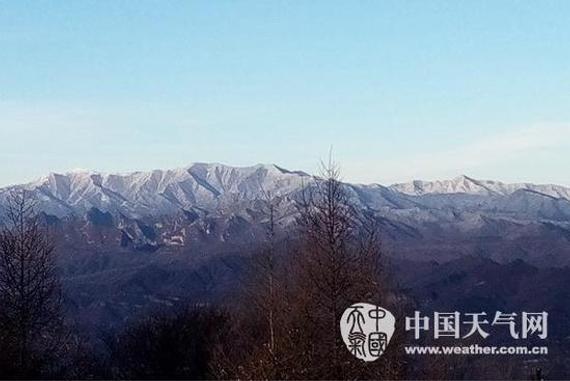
{"x": 399, "y": 89}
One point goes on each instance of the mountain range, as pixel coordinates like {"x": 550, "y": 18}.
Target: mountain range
{"x": 143, "y": 194}
{"x": 127, "y": 243}
{"x": 213, "y": 203}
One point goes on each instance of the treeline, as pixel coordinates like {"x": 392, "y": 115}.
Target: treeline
{"x": 285, "y": 325}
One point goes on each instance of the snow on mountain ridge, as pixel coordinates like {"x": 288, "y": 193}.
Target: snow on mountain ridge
{"x": 220, "y": 187}
{"x": 158, "y": 191}
{"x": 468, "y": 185}
{"x": 461, "y": 184}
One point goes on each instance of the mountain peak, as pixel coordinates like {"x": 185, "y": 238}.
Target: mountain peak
{"x": 463, "y": 178}
{"x": 212, "y": 185}
{"x": 460, "y": 184}
{"x": 464, "y": 184}
{"x": 160, "y": 191}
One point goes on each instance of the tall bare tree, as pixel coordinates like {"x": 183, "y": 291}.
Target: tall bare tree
{"x": 267, "y": 262}
{"x": 338, "y": 265}
{"x": 293, "y": 310}
{"x": 29, "y": 290}
{"x": 264, "y": 308}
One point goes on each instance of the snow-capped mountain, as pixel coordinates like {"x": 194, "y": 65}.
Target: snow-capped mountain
{"x": 467, "y": 185}
{"x": 159, "y": 192}
{"x": 131, "y": 240}
{"x": 205, "y": 204}
{"x": 211, "y": 186}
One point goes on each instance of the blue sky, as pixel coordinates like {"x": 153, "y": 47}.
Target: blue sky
{"x": 399, "y": 89}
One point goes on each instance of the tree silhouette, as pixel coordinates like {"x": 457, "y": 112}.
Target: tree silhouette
{"x": 30, "y": 298}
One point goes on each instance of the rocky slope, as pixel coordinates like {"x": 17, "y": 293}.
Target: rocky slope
{"x": 133, "y": 242}
{"x": 211, "y": 204}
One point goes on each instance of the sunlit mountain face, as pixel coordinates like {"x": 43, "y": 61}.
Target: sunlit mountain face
{"x": 213, "y": 204}
{"x": 130, "y": 242}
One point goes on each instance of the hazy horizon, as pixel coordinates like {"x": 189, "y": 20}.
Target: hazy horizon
{"x": 314, "y": 172}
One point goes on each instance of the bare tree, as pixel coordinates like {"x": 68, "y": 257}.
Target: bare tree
{"x": 262, "y": 321}
{"x": 267, "y": 262}
{"x": 298, "y": 292}
{"x": 29, "y": 289}
{"x": 338, "y": 265}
